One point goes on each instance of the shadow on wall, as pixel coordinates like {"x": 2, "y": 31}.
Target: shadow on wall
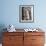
{"x": 2, "y": 26}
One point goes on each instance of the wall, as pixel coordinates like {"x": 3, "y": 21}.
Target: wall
{"x": 9, "y": 13}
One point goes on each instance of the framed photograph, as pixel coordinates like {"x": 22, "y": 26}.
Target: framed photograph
{"x": 26, "y": 13}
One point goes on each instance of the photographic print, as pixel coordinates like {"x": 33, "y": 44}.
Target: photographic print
{"x": 26, "y": 13}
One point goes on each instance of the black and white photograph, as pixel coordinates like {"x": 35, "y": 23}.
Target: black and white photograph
{"x": 26, "y": 13}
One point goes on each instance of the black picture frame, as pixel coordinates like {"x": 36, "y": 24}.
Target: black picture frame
{"x": 26, "y": 13}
